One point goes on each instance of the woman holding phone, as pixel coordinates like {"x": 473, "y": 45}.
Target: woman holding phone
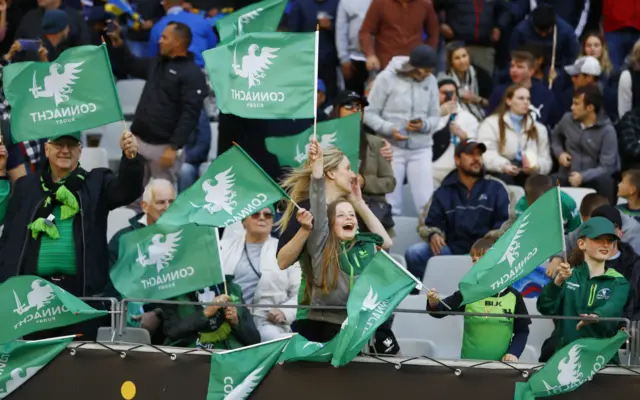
{"x": 404, "y": 107}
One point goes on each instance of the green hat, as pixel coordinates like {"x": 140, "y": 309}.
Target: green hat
{"x": 596, "y": 227}
{"x": 75, "y": 135}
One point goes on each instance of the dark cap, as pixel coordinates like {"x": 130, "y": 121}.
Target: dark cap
{"x": 422, "y": 56}
{"x": 446, "y": 80}
{"x": 347, "y": 96}
{"x": 468, "y": 146}
{"x": 54, "y": 21}
{"x": 609, "y": 212}
{"x": 596, "y": 227}
{"x": 543, "y": 17}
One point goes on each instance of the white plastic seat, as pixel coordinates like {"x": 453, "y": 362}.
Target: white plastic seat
{"x": 94, "y": 157}
{"x": 110, "y": 140}
{"x": 445, "y": 272}
{"x": 130, "y": 335}
{"x": 406, "y": 229}
{"x": 118, "y": 219}
{"x": 417, "y": 347}
{"x": 408, "y": 207}
{"x": 129, "y": 92}
{"x": 515, "y": 193}
{"x": 577, "y": 193}
{"x": 530, "y": 355}
{"x": 400, "y": 259}
{"x": 213, "y": 149}
{"x": 540, "y": 329}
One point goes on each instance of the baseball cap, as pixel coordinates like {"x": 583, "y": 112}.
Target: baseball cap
{"x": 422, "y": 56}
{"x": 347, "y": 96}
{"x": 54, "y": 21}
{"x": 468, "y": 146}
{"x": 609, "y": 212}
{"x": 596, "y": 227}
{"x": 587, "y": 65}
{"x": 77, "y": 136}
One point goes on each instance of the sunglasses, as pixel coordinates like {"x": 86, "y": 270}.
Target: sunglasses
{"x": 352, "y": 106}
{"x": 263, "y": 214}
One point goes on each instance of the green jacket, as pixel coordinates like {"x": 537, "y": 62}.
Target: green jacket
{"x": 5, "y": 192}
{"x": 570, "y": 211}
{"x": 184, "y": 324}
{"x": 604, "y": 295}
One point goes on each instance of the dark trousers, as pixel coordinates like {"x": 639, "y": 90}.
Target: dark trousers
{"x": 605, "y": 185}
{"x": 359, "y": 77}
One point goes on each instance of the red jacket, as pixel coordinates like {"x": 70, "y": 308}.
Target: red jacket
{"x": 619, "y": 14}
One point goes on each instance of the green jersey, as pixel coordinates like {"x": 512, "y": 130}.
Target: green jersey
{"x": 489, "y": 338}
{"x": 570, "y": 211}
{"x": 604, "y": 296}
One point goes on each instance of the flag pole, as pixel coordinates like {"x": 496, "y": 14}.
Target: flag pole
{"x": 315, "y": 83}
{"x": 553, "y": 55}
{"x": 224, "y": 279}
{"x": 55, "y": 338}
{"x": 564, "y": 242}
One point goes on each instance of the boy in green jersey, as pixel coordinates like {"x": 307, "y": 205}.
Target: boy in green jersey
{"x": 488, "y": 338}
{"x": 589, "y": 289}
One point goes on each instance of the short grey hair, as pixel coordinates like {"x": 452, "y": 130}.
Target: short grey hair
{"x": 149, "y": 190}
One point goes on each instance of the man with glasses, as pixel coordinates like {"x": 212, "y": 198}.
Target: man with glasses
{"x": 251, "y": 259}
{"x": 56, "y": 221}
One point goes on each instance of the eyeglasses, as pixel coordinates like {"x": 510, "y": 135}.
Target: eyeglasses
{"x": 59, "y": 145}
{"x": 263, "y": 214}
{"x": 352, "y": 106}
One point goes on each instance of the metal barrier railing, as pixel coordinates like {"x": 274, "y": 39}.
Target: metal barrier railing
{"x": 113, "y": 309}
{"x": 631, "y": 353}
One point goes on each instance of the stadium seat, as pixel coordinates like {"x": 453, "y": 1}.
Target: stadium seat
{"x": 445, "y": 272}
{"x": 540, "y": 329}
{"x": 110, "y": 140}
{"x": 445, "y": 333}
{"x": 408, "y": 208}
{"x": 530, "y": 355}
{"x": 129, "y": 92}
{"x": 118, "y": 219}
{"x": 515, "y": 193}
{"x": 417, "y": 348}
{"x": 406, "y": 234}
{"x": 577, "y": 193}
{"x": 399, "y": 258}
{"x": 130, "y": 335}
{"x": 213, "y": 150}
{"x": 94, "y": 157}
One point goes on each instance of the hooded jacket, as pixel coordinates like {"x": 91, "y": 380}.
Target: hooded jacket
{"x": 395, "y": 100}
{"x": 594, "y": 150}
{"x": 604, "y": 296}
{"x": 348, "y": 22}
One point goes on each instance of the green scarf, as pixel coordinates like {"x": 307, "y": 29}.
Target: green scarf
{"x": 223, "y": 327}
{"x": 63, "y": 193}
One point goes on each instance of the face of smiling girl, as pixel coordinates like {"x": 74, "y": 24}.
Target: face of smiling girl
{"x": 346, "y": 223}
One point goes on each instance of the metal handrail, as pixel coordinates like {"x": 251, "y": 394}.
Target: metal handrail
{"x": 632, "y": 350}
{"x": 115, "y": 307}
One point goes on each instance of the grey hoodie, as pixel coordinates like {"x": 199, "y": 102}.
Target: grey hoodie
{"x": 395, "y": 100}
{"x": 594, "y": 151}
{"x": 349, "y": 19}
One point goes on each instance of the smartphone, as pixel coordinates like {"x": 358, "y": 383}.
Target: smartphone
{"x": 111, "y": 25}
{"x": 29, "y": 44}
{"x": 449, "y": 96}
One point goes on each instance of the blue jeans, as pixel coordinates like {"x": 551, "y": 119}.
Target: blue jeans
{"x": 620, "y": 45}
{"x": 418, "y": 256}
{"x": 188, "y": 176}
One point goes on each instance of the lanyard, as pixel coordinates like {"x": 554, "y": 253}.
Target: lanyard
{"x": 250, "y": 263}
{"x": 351, "y": 273}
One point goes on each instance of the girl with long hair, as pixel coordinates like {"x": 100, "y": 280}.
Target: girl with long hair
{"x": 517, "y": 145}
{"x": 335, "y": 252}
{"x": 595, "y": 45}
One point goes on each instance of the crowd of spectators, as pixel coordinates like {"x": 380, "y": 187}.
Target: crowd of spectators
{"x": 461, "y": 100}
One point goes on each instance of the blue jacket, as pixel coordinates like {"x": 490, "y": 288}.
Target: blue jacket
{"x": 574, "y": 12}
{"x": 462, "y": 216}
{"x": 541, "y": 98}
{"x": 203, "y": 36}
{"x": 567, "y": 48}
{"x": 303, "y": 17}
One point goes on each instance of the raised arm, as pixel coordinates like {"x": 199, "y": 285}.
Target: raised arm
{"x": 370, "y": 220}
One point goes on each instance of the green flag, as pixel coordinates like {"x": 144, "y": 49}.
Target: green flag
{"x": 265, "y": 75}
{"x": 570, "y": 367}
{"x": 536, "y": 235}
{"x": 236, "y": 373}
{"x": 19, "y": 360}
{"x": 158, "y": 262}
{"x": 301, "y": 349}
{"x": 74, "y": 93}
{"x": 39, "y": 305}
{"x": 233, "y": 188}
{"x": 374, "y": 296}
{"x": 263, "y": 16}
{"x": 344, "y": 133}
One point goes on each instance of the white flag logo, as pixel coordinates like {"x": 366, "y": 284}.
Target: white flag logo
{"x": 219, "y": 196}
{"x": 57, "y": 85}
{"x": 160, "y": 252}
{"x": 38, "y": 297}
{"x": 253, "y": 65}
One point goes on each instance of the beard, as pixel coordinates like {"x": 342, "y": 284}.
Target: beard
{"x": 472, "y": 172}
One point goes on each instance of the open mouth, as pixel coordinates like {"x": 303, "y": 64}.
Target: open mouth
{"x": 604, "y": 252}
{"x": 349, "y": 227}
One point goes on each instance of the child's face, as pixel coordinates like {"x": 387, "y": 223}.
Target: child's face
{"x": 626, "y": 189}
{"x": 346, "y": 223}
{"x": 601, "y": 248}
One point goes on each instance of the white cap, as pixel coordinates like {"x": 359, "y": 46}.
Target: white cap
{"x": 587, "y": 65}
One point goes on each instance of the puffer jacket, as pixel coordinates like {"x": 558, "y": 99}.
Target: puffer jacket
{"x": 473, "y": 20}
{"x": 395, "y": 100}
